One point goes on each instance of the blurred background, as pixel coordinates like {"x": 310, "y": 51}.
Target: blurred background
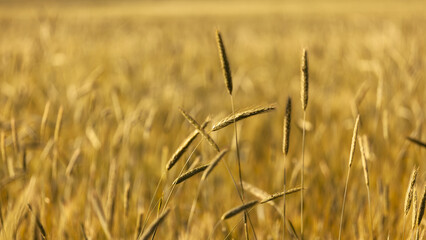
{"x": 121, "y": 69}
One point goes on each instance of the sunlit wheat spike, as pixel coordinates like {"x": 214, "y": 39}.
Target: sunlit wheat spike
{"x": 213, "y": 164}
{"x": 150, "y": 230}
{"x": 422, "y": 207}
{"x": 242, "y": 115}
{"x": 409, "y": 194}
{"x": 304, "y": 79}
{"x": 280, "y": 194}
{"x": 189, "y": 174}
{"x": 416, "y": 141}
{"x": 364, "y": 160}
{"x": 287, "y": 120}
{"x": 236, "y": 210}
{"x": 354, "y": 138}
{"x": 58, "y": 124}
{"x": 184, "y": 146}
{"x": 414, "y": 212}
{"x": 199, "y": 128}
{"x": 224, "y": 62}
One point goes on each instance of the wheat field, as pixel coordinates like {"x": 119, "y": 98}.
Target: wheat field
{"x": 97, "y": 97}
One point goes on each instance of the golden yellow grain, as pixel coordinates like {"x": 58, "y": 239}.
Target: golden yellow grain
{"x": 224, "y": 62}
{"x": 242, "y": 115}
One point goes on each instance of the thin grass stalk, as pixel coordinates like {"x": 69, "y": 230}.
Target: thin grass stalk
{"x": 304, "y": 70}
{"x": 351, "y": 156}
{"x": 302, "y": 175}
{"x": 286, "y": 145}
{"x": 367, "y": 181}
{"x": 237, "y": 148}
{"x": 228, "y": 82}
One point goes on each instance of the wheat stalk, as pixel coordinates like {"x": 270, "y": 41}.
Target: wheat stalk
{"x": 228, "y": 82}
{"x": 351, "y": 157}
{"x": 304, "y": 81}
{"x": 286, "y": 144}
{"x": 366, "y": 180}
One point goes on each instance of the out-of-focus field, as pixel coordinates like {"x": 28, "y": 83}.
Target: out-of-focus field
{"x": 120, "y": 71}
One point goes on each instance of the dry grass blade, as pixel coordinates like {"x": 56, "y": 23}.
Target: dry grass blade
{"x": 409, "y": 194}
{"x": 422, "y": 207}
{"x": 199, "y": 128}
{"x": 97, "y": 207}
{"x": 189, "y": 174}
{"x": 280, "y": 194}
{"x": 287, "y": 120}
{"x": 39, "y": 225}
{"x": 213, "y": 164}
{"x": 239, "y": 209}
{"x": 304, "y": 79}
{"x": 242, "y": 115}
{"x": 184, "y": 146}
{"x": 224, "y": 62}
{"x": 152, "y": 228}
{"x": 416, "y": 141}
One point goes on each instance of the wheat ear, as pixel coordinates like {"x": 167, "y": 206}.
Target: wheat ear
{"x": 351, "y": 157}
